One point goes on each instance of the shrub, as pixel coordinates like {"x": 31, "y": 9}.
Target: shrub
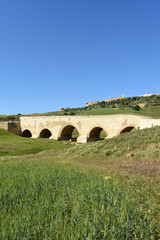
{"x": 71, "y": 113}
{"x": 136, "y": 107}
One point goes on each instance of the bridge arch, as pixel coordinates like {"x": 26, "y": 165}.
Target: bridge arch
{"x": 26, "y": 133}
{"x": 45, "y": 133}
{"x": 127, "y": 128}
{"x": 94, "y": 133}
{"x": 66, "y": 132}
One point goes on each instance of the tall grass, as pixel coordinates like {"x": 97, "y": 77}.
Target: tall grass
{"x": 141, "y": 143}
{"x": 40, "y": 200}
{"x": 42, "y": 196}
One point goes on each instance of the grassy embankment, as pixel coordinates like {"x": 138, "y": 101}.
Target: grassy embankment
{"x": 8, "y": 117}
{"x": 149, "y": 111}
{"x": 101, "y": 190}
{"x": 13, "y": 145}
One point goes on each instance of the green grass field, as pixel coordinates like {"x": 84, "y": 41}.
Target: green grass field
{"x": 14, "y": 145}
{"x": 149, "y": 111}
{"x": 106, "y": 111}
{"x": 100, "y": 190}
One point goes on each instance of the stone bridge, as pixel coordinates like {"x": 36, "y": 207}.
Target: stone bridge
{"x": 88, "y": 127}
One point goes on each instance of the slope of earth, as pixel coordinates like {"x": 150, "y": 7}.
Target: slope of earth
{"x": 149, "y": 111}
{"x": 14, "y": 145}
{"x": 101, "y": 190}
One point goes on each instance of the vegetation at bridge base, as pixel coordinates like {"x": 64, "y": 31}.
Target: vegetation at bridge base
{"x": 143, "y": 144}
{"x": 13, "y": 145}
{"x": 100, "y": 190}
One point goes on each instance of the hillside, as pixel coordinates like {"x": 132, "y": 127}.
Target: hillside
{"x": 149, "y": 106}
{"x": 69, "y": 190}
{"x": 140, "y": 144}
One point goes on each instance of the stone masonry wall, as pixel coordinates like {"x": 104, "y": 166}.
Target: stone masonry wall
{"x": 12, "y": 126}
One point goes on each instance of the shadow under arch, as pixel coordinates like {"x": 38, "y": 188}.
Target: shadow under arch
{"x": 97, "y": 133}
{"x": 127, "y": 128}
{"x": 26, "y": 133}
{"x": 45, "y": 133}
{"x": 69, "y": 131}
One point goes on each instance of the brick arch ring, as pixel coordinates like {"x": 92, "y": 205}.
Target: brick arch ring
{"x": 26, "y": 131}
{"x": 97, "y": 126}
{"x": 39, "y": 132}
{"x": 126, "y": 126}
{"x": 66, "y": 125}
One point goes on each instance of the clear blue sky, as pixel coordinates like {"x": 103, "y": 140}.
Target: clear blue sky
{"x": 64, "y": 53}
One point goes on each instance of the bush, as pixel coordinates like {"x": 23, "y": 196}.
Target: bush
{"x": 71, "y": 113}
{"x": 136, "y": 107}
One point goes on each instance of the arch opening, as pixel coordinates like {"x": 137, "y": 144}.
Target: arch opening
{"x": 45, "y": 133}
{"x": 69, "y": 133}
{"x": 127, "y": 129}
{"x": 26, "y": 133}
{"x": 96, "y": 134}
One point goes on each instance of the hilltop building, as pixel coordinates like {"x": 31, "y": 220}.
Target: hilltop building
{"x": 61, "y": 109}
{"x": 113, "y": 99}
{"x": 91, "y": 103}
{"x": 107, "y": 100}
{"x": 150, "y": 94}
